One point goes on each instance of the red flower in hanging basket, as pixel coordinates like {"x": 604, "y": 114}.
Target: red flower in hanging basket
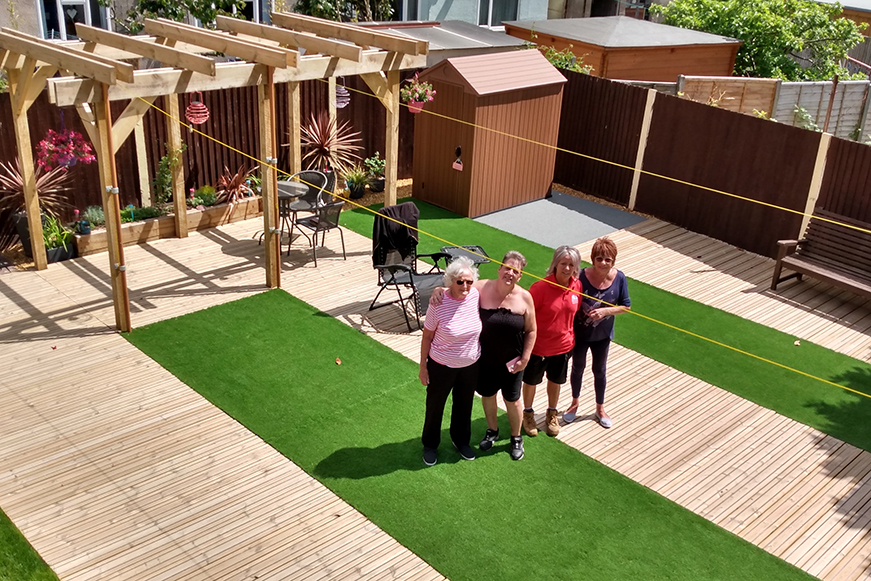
{"x": 416, "y": 93}
{"x": 63, "y": 149}
{"x": 196, "y": 112}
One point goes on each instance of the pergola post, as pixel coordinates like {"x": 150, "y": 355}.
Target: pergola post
{"x": 20, "y": 105}
{"x": 391, "y": 143}
{"x": 268, "y": 179}
{"x": 173, "y": 132}
{"x": 112, "y": 210}
{"x": 385, "y": 86}
{"x": 294, "y": 122}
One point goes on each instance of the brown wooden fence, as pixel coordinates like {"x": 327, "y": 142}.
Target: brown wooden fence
{"x": 602, "y": 119}
{"x": 845, "y": 189}
{"x": 734, "y": 153}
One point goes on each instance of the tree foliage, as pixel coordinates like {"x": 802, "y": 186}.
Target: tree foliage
{"x": 347, "y": 10}
{"x": 204, "y": 10}
{"x": 794, "y": 40}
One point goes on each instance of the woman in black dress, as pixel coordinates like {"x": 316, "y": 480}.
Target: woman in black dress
{"x": 507, "y": 337}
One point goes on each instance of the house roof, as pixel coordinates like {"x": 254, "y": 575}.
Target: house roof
{"x": 451, "y": 38}
{"x": 497, "y": 73}
{"x": 620, "y": 32}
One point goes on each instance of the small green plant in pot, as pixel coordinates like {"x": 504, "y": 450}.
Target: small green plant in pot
{"x": 375, "y": 167}
{"x": 59, "y": 240}
{"x": 356, "y": 177}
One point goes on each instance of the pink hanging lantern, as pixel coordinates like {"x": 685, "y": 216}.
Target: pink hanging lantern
{"x": 197, "y": 113}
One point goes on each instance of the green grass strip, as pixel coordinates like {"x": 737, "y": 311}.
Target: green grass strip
{"x": 269, "y": 362}
{"x": 832, "y": 410}
{"x": 18, "y": 560}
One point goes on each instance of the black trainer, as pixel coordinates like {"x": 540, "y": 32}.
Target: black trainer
{"x": 489, "y": 437}
{"x": 429, "y": 456}
{"x": 516, "y": 447}
{"x": 465, "y": 451}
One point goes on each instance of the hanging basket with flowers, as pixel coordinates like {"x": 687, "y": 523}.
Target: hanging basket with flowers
{"x": 63, "y": 149}
{"x": 415, "y": 93}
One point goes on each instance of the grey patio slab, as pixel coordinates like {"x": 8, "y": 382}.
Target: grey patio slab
{"x": 560, "y": 219}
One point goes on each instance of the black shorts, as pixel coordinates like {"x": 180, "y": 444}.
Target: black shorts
{"x": 494, "y": 376}
{"x": 557, "y": 367}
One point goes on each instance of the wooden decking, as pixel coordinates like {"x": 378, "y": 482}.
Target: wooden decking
{"x": 140, "y": 478}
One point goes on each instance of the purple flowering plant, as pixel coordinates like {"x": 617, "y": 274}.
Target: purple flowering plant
{"x": 63, "y": 149}
{"x": 416, "y": 90}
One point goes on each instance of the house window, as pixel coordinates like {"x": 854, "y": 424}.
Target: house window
{"x": 408, "y": 10}
{"x": 60, "y": 17}
{"x": 250, "y": 10}
{"x": 495, "y": 12}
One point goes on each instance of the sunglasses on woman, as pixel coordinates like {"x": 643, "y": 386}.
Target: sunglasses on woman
{"x": 464, "y": 282}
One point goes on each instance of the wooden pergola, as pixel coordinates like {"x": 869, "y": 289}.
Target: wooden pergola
{"x": 295, "y": 48}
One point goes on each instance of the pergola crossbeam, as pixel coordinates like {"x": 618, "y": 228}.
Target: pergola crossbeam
{"x": 219, "y": 42}
{"x": 155, "y": 82}
{"x": 128, "y": 120}
{"x": 75, "y": 61}
{"x": 350, "y": 32}
{"x": 309, "y": 42}
{"x": 164, "y": 54}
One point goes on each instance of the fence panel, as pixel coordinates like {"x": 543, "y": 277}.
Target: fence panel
{"x": 845, "y": 184}
{"x": 742, "y": 95}
{"x": 711, "y": 147}
{"x": 601, "y": 119}
{"x": 848, "y": 106}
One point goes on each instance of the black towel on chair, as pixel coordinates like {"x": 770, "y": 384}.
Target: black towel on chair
{"x": 388, "y": 235}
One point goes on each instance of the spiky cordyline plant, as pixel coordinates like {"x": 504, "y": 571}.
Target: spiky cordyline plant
{"x": 231, "y": 187}
{"x": 50, "y": 187}
{"x": 330, "y": 147}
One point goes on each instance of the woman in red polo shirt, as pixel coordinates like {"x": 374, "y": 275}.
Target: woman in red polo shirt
{"x": 557, "y": 299}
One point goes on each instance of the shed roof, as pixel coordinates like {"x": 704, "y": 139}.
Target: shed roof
{"x": 501, "y": 72}
{"x": 451, "y": 38}
{"x": 621, "y": 32}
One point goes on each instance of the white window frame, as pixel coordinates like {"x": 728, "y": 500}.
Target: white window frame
{"x": 256, "y": 3}
{"x": 61, "y": 21}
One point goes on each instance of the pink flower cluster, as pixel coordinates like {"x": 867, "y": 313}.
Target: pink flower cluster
{"x": 63, "y": 149}
{"x": 416, "y": 90}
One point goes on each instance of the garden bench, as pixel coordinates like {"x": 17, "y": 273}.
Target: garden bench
{"x": 832, "y": 253}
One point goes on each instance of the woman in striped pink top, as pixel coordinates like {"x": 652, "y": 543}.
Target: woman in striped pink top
{"x": 449, "y": 355}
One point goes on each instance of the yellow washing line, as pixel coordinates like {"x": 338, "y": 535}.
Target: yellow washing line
{"x": 449, "y": 243}
{"x": 630, "y": 168}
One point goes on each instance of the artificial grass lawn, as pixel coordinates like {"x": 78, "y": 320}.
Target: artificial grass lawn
{"x": 830, "y": 409}
{"x": 18, "y": 560}
{"x": 269, "y": 362}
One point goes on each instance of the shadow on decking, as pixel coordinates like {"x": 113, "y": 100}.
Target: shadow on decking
{"x": 845, "y": 461}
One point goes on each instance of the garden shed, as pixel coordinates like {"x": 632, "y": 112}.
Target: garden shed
{"x": 477, "y": 165}
{"x": 620, "y": 47}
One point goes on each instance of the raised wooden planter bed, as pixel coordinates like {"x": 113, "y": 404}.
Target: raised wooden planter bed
{"x": 164, "y": 226}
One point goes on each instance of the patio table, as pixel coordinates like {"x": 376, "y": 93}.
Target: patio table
{"x": 474, "y": 253}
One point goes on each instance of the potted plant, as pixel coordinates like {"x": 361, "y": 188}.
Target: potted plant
{"x": 375, "y": 168}
{"x": 329, "y": 146}
{"x": 233, "y": 187}
{"x": 356, "y": 177}
{"x": 416, "y": 94}
{"x": 59, "y": 240}
{"x": 50, "y": 186}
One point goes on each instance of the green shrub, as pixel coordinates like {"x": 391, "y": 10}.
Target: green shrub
{"x": 137, "y": 214}
{"x": 94, "y": 215}
{"x": 204, "y": 196}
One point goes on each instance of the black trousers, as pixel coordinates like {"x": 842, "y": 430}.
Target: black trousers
{"x": 599, "y": 349}
{"x": 442, "y": 380}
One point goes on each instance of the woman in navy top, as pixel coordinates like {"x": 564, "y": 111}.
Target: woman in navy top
{"x": 606, "y": 294}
